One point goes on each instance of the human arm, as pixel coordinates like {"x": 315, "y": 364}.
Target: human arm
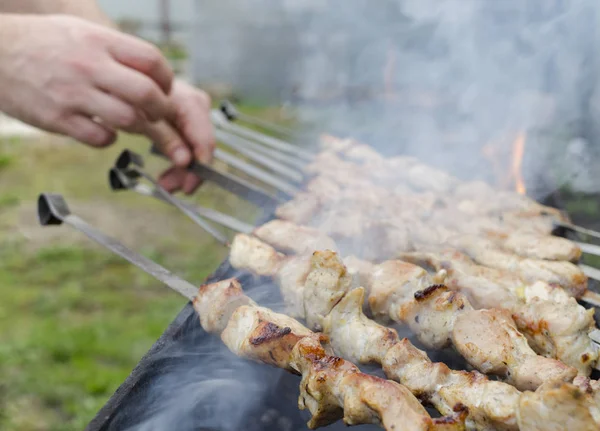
{"x": 85, "y": 9}
{"x": 184, "y": 131}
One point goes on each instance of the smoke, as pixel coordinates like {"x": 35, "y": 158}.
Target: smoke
{"x": 196, "y": 383}
{"x": 459, "y": 74}
{"x": 437, "y": 79}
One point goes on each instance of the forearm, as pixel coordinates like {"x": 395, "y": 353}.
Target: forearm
{"x": 86, "y": 9}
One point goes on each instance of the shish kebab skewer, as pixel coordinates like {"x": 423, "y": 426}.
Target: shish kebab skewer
{"x": 351, "y": 149}
{"x": 519, "y": 291}
{"x": 537, "y": 306}
{"x": 360, "y": 152}
{"x": 279, "y": 234}
{"x": 331, "y": 388}
{"x": 354, "y": 208}
{"x": 487, "y": 338}
{"x": 516, "y": 242}
{"x": 286, "y": 188}
{"x": 491, "y": 405}
{"x": 325, "y": 201}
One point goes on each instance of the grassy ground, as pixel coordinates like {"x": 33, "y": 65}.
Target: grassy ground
{"x": 74, "y": 320}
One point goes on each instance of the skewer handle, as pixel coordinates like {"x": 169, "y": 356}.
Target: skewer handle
{"x": 53, "y": 210}
{"x": 124, "y": 176}
{"x": 230, "y": 111}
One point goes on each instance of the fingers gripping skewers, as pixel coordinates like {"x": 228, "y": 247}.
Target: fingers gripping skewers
{"x": 331, "y": 388}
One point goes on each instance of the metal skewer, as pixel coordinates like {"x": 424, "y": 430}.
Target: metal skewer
{"x": 282, "y": 164}
{"x": 590, "y": 271}
{"x": 590, "y": 249}
{"x": 256, "y": 172}
{"x": 231, "y": 183}
{"x": 578, "y": 229}
{"x": 53, "y": 210}
{"x": 124, "y": 179}
{"x": 128, "y": 180}
{"x": 220, "y": 121}
{"x": 131, "y": 162}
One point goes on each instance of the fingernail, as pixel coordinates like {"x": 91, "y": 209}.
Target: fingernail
{"x": 203, "y": 156}
{"x": 181, "y": 157}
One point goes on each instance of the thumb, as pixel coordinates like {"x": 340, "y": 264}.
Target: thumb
{"x": 169, "y": 142}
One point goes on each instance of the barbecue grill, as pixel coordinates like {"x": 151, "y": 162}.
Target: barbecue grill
{"x": 170, "y": 386}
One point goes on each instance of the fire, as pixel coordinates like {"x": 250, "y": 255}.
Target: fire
{"x": 517, "y": 163}
{"x": 506, "y": 162}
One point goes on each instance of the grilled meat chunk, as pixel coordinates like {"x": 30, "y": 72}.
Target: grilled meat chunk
{"x": 289, "y": 237}
{"x": 487, "y": 339}
{"x": 555, "y": 325}
{"x": 331, "y": 388}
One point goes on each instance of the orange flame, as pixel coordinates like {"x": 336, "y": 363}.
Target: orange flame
{"x": 517, "y": 163}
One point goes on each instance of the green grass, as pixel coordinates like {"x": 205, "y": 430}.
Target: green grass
{"x": 74, "y": 319}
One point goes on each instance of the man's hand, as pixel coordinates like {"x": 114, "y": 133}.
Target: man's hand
{"x": 189, "y": 135}
{"x": 70, "y": 76}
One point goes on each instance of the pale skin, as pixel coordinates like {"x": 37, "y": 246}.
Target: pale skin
{"x": 67, "y": 70}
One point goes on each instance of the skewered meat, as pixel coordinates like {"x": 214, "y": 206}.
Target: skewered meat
{"x": 439, "y": 318}
{"x": 487, "y": 339}
{"x": 491, "y": 405}
{"x": 565, "y": 274}
{"x": 555, "y": 325}
{"x": 556, "y": 328}
{"x": 300, "y": 210}
{"x": 250, "y": 252}
{"x": 425, "y": 177}
{"x": 521, "y": 240}
{"x": 405, "y": 293}
{"x": 331, "y": 388}
{"x": 564, "y": 400}
{"x": 590, "y": 387}
{"x": 289, "y": 237}
{"x": 347, "y": 213}
{"x": 318, "y": 302}
{"x": 345, "y": 330}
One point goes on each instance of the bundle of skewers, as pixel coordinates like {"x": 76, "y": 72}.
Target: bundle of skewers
{"x": 361, "y": 245}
